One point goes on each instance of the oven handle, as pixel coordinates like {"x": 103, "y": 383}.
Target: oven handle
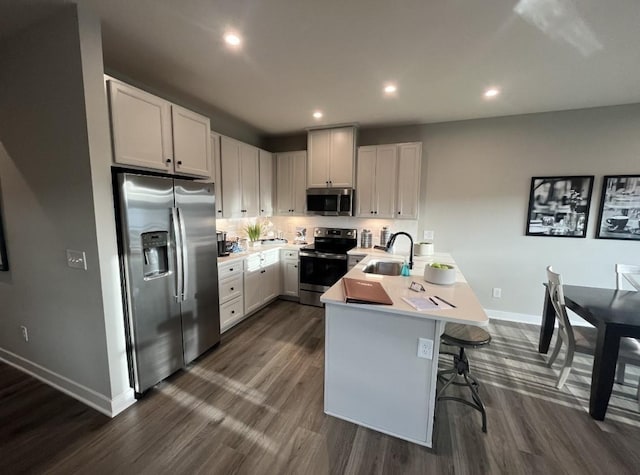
{"x": 323, "y": 255}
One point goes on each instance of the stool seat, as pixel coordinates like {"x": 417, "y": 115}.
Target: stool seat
{"x": 465, "y": 336}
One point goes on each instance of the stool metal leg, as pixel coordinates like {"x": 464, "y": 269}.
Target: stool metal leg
{"x": 461, "y": 368}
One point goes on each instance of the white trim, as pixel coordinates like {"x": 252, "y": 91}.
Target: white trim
{"x": 99, "y": 402}
{"x": 531, "y": 319}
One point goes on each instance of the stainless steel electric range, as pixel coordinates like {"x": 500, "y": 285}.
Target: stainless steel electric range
{"x": 324, "y": 262}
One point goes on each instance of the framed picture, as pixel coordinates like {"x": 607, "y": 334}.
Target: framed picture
{"x": 4, "y": 263}
{"x": 620, "y": 208}
{"x": 559, "y": 206}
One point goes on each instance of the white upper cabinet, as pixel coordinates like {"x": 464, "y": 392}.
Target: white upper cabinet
{"x": 149, "y": 132}
{"x": 191, "y": 142}
{"x": 291, "y": 173}
{"x": 389, "y": 181}
{"x": 239, "y": 163}
{"x": 408, "y": 196}
{"x": 266, "y": 183}
{"x": 376, "y": 185}
{"x": 331, "y": 158}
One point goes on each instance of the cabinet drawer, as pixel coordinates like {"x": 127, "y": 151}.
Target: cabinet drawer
{"x": 230, "y": 313}
{"x": 290, "y": 254}
{"x": 231, "y": 288}
{"x": 228, "y": 269}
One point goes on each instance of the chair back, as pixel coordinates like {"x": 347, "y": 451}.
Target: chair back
{"x": 627, "y": 272}
{"x": 557, "y": 299}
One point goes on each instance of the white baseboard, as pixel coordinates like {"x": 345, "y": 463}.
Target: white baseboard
{"x": 514, "y": 317}
{"x": 530, "y": 319}
{"x": 99, "y": 402}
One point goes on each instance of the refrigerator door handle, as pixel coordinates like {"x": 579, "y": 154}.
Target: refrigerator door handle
{"x": 185, "y": 257}
{"x": 177, "y": 236}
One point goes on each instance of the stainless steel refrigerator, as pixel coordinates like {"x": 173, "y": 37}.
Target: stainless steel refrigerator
{"x": 170, "y": 273}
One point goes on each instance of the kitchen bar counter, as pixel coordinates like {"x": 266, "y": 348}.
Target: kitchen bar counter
{"x": 468, "y": 309}
{"x": 373, "y": 375}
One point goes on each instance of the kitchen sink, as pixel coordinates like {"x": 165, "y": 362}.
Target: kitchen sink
{"x": 383, "y": 267}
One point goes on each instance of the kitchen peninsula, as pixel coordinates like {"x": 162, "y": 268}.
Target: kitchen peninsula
{"x": 373, "y": 376}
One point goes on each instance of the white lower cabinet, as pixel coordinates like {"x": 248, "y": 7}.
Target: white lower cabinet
{"x": 231, "y": 292}
{"x": 261, "y": 279}
{"x": 290, "y": 273}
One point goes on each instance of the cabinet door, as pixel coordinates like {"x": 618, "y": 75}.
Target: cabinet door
{"x": 365, "y": 206}
{"x": 409, "y": 159}
{"x": 191, "y": 142}
{"x": 216, "y": 172}
{"x": 141, "y": 128}
{"x": 385, "y": 181}
{"x": 271, "y": 282}
{"x": 232, "y": 188}
{"x": 266, "y": 183}
{"x": 299, "y": 182}
{"x": 249, "y": 176}
{"x": 284, "y": 165}
{"x": 290, "y": 284}
{"x": 319, "y": 146}
{"x": 341, "y": 158}
{"x": 253, "y": 293}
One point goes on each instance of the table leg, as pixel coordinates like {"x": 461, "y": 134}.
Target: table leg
{"x": 604, "y": 371}
{"x": 548, "y": 322}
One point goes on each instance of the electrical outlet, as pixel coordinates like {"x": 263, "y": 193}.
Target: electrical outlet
{"x": 76, "y": 259}
{"x": 25, "y": 333}
{"x": 497, "y": 293}
{"x": 425, "y": 348}
{"x": 428, "y": 235}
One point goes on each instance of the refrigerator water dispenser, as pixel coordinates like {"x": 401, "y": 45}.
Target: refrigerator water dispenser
{"x": 156, "y": 255}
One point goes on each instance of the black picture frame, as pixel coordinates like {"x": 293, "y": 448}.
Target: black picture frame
{"x": 619, "y": 212}
{"x": 559, "y": 206}
{"x": 4, "y": 262}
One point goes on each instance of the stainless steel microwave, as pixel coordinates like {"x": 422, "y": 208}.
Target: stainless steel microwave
{"x": 330, "y": 201}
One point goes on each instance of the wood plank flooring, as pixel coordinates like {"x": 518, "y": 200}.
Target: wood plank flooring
{"x": 254, "y": 406}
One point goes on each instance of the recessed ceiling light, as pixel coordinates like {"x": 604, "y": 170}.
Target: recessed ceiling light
{"x": 390, "y": 88}
{"x": 232, "y": 39}
{"x": 317, "y": 115}
{"x": 493, "y": 92}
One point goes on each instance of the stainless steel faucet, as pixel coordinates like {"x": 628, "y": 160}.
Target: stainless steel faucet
{"x": 392, "y": 239}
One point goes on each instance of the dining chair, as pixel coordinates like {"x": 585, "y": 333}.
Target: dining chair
{"x": 579, "y": 338}
{"x": 626, "y": 273}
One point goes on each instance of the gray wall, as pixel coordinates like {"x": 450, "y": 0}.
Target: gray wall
{"x": 475, "y": 189}
{"x": 53, "y": 146}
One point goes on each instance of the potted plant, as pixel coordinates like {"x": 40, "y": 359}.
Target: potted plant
{"x": 254, "y": 231}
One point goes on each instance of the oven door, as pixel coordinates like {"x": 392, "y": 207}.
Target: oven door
{"x": 319, "y": 271}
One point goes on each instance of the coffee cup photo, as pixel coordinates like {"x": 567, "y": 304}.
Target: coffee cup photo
{"x": 617, "y": 222}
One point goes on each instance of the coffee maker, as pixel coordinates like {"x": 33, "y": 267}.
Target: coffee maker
{"x": 222, "y": 243}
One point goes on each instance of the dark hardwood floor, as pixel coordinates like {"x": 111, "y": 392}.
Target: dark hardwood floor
{"x": 254, "y": 406}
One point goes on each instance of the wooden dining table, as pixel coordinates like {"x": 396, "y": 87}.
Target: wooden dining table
{"x": 614, "y": 314}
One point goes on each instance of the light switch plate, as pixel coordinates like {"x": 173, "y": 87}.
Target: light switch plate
{"x": 76, "y": 259}
{"x": 428, "y": 235}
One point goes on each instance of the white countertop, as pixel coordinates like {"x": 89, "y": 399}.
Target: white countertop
{"x": 468, "y": 309}
{"x": 236, "y": 256}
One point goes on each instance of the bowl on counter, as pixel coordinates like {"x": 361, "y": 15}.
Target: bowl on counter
{"x": 442, "y": 274}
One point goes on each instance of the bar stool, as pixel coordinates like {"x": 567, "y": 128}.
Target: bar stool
{"x": 463, "y": 336}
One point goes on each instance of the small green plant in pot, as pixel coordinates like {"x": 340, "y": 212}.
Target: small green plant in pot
{"x": 254, "y": 231}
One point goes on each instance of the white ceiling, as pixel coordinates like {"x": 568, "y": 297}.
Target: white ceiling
{"x": 335, "y": 55}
